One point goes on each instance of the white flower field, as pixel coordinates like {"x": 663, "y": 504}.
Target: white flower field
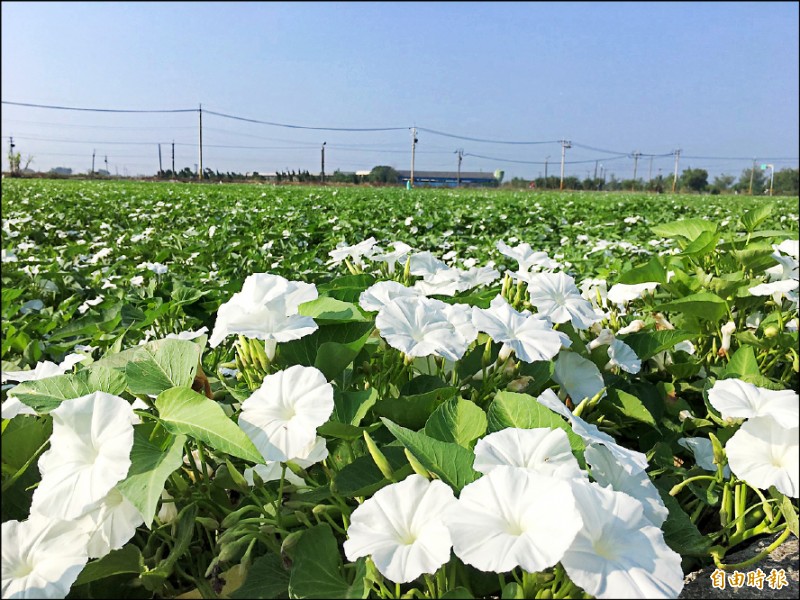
{"x": 256, "y": 391}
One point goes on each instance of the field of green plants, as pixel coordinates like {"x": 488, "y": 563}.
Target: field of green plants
{"x": 227, "y": 391}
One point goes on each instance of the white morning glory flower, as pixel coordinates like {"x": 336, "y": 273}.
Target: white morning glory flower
{"x": 420, "y": 327}
{"x": 619, "y": 553}
{"x": 41, "y": 557}
{"x": 477, "y": 276}
{"x": 511, "y": 517}
{"x": 529, "y": 336}
{"x": 281, "y": 417}
{"x": 622, "y": 293}
{"x": 776, "y": 289}
{"x": 621, "y": 355}
{"x": 737, "y": 399}
{"x": 607, "y": 472}
{"x": 526, "y": 257}
{"x": 112, "y": 524}
{"x": 401, "y": 527}
{"x": 555, "y": 295}
{"x": 445, "y": 282}
{"x": 630, "y": 460}
{"x": 354, "y": 252}
{"x": 188, "y": 335}
{"x": 89, "y": 454}
{"x": 266, "y": 309}
{"x": 426, "y": 264}
{"x": 398, "y": 255}
{"x": 382, "y": 293}
{"x": 703, "y": 452}
{"x": 764, "y": 453}
{"x": 540, "y": 450}
{"x": 578, "y": 377}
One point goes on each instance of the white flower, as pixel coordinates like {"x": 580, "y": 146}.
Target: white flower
{"x": 460, "y": 317}
{"x": 776, "y": 289}
{"x": 212, "y": 230}
{"x": 621, "y": 355}
{"x": 632, "y": 327}
{"x": 526, "y": 257}
{"x": 41, "y": 557}
{"x": 703, "y": 451}
{"x": 595, "y": 291}
{"x": 420, "y": 327}
{"x": 354, "y": 252}
{"x": 89, "y": 454}
{"x": 530, "y": 337}
{"x": 168, "y": 511}
{"x": 726, "y": 331}
{"x": 401, "y": 528}
{"x": 577, "y": 376}
{"x": 398, "y": 255}
{"x": 541, "y": 450}
{"x": 630, "y": 460}
{"x": 737, "y": 399}
{"x": 112, "y": 524}
{"x": 156, "y": 268}
{"x": 382, "y": 293}
{"x": 511, "y": 517}
{"x": 444, "y": 282}
{"x": 271, "y": 472}
{"x": 619, "y": 553}
{"x": 266, "y": 309}
{"x": 281, "y": 417}
{"x": 607, "y": 472}
{"x": 764, "y": 453}
{"x": 622, "y": 294}
{"x": 477, "y": 276}
{"x": 426, "y": 264}
{"x": 137, "y": 280}
{"x": 556, "y": 296}
{"x": 89, "y": 303}
{"x": 188, "y": 335}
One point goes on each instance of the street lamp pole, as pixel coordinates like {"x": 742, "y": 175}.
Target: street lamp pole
{"x": 771, "y": 175}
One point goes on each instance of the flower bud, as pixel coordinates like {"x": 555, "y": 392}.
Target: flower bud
{"x": 379, "y": 458}
{"x": 726, "y": 331}
{"x": 770, "y": 331}
{"x": 419, "y": 469}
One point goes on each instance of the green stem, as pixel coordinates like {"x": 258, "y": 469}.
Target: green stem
{"x": 678, "y": 487}
{"x": 757, "y": 558}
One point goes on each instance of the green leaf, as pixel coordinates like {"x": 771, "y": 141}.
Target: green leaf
{"x": 687, "y": 228}
{"x": 317, "y": 570}
{"x": 351, "y": 407}
{"x": 630, "y": 406}
{"x": 348, "y": 338}
{"x": 127, "y": 559}
{"x": 162, "y": 365}
{"x": 704, "y": 305}
{"x": 418, "y": 399}
{"x": 21, "y": 438}
{"x": 450, "y": 462}
{"x": 652, "y": 271}
{"x": 457, "y": 420}
{"x": 541, "y": 371}
{"x": 151, "y": 464}
{"x": 46, "y": 394}
{"x": 647, "y": 344}
{"x": 183, "y": 295}
{"x": 459, "y": 593}
{"x": 347, "y": 288}
{"x": 183, "y": 410}
{"x": 331, "y": 310}
{"x": 702, "y": 245}
{"x": 753, "y": 218}
{"x": 266, "y": 579}
{"x": 522, "y": 411}
{"x": 680, "y": 533}
{"x": 743, "y": 364}
{"x": 362, "y": 477}
{"x": 343, "y": 431}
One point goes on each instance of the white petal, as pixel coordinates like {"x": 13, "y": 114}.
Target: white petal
{"x": 764, "y": 453}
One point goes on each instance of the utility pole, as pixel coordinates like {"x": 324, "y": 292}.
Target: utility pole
{"x": 752, "y": 172}
{"x": 636, "y": 156}
{"x": 160, "y": 170}
{"x": 564, "y": 145}
{"x": 93, "y": 162}
{"x": 413, "y": 150}
{"x": 322, "y": 173}
{"x": 460, "y": 153}
{"x": 677, "y": 154}
{"x": 545, "y": 171}
{"x": 650, "y": 171}
{"x": 173, "y": 158}
{"x": 200, "y": 171}
{"x": 105, "y": 159}
{"x": 11, "y": 155}
{"x": 595, "y": 168}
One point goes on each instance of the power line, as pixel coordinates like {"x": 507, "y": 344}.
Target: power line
{"x": 471, "y": 139}
{"x": 159, "y": 127}
{"x": 533, "y": 162}
{"x": 246, "y": 120}
{"x": 106, "y": 110}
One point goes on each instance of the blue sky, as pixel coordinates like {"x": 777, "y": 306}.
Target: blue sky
{"x": 714, "y": 79}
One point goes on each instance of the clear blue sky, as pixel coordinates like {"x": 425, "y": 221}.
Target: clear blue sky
{"x": 714, "y": 79}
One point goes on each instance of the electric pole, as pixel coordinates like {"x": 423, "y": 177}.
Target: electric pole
{"x": 413, "y": 150}
{"x": 160, "y": 170}
{"x": 105, "y": 160}
{"x": 752, "y": 172}
{"x": 564, "y": 145}
{"x": 200, "y": 171}
{"x": 677, "y": 154}
{"x": 93, "y": 162}
{"x": 11, "y": 155}
{"x": 173, "y": 158}
{"x": 545, "y": 171}
{"x": 595, "y": 168}
{"x": 460, "y": 153}
{"x": 322, "y": 173}
{"x": 650, "y": 171}
{"x": 636, "y": 156}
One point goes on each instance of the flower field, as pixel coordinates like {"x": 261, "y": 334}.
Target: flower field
{"x": 270, "y": 392}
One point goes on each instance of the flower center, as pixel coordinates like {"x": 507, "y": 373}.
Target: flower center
{"x": 514, "y": 528}
{"x": 605, "y": 549}
{"x": 407, "y": 538}
{"x": 23, "y": 569}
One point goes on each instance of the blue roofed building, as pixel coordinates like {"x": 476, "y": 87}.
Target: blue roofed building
{"x": 449, "y": 179}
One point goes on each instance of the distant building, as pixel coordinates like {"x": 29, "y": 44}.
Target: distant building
{"x": 449, "y": 179}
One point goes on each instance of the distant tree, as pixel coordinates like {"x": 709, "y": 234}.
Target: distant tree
{"x": 383, "y": 174}
{"x": 722, "y": 183}
{"x": 695, "y": 180}
{"x": 60, "y": 171}
{"x": 743, "y": 185}
{"x": 786, "y": 182}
